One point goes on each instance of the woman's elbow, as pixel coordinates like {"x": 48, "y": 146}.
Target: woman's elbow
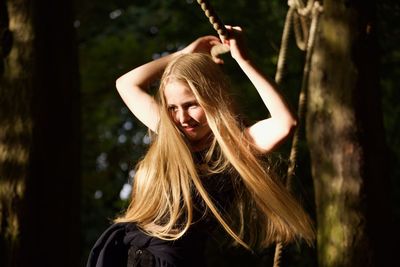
{"x": 290, "y": 126}
{"x": 123, "y": 85}
{"x": 119, "y": 83}
{"x": 293, "y": 124}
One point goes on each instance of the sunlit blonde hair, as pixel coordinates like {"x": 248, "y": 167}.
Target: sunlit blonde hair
{"x": 165, "y": 179}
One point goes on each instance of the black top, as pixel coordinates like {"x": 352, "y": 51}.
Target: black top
{"x": 123, "y": 244}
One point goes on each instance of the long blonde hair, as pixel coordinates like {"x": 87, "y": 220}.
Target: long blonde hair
{"x": 166, "y": 177}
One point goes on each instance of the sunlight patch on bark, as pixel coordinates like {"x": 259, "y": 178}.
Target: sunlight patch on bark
{"x": 22, "y": 31}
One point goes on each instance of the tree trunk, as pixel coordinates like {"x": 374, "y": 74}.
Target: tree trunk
{"x": 39, "y": 136}
{"x": 346, "y": 139}
{"x": 15, "y": 122}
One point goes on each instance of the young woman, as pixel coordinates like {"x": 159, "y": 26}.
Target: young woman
{"x": 203, "y": 168}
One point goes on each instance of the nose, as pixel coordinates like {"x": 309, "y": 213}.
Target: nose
{"x": 183, "y": 117}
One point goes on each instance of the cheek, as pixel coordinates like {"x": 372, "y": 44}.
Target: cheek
{"x": 173, "y": 117}
{"x": 200, "y": 116}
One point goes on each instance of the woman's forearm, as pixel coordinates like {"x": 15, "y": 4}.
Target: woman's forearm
{"x": 145, "y": 74}
{"x": 133, "y": 87}
{"x": 274, "y": 102}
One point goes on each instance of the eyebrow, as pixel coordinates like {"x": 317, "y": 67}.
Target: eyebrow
{"x": 184, "y": 104}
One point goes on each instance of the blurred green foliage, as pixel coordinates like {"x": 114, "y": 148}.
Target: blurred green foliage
{"x": 389, "y": 40}
{"x": 115, "y": 36}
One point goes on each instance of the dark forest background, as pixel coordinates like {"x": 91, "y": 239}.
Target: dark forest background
{"x": 98, "y": 141}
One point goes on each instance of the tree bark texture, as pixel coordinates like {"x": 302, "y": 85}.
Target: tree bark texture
{"x": 15, "y": 122}
{"x": 39, "y": 136}
{"x": 346, "y": 139}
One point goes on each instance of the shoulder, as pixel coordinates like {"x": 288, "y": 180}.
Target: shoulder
{"x": 110, "y": 247}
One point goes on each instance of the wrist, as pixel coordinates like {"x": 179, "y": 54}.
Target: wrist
{"x": 180, "y": 52}
{"x": 242, "y": 60}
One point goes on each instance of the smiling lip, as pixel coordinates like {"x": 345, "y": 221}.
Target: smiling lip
{"x": 189, "y": 128}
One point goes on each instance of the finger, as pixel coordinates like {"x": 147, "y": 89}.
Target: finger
{"x": 234, "y": 29}
{"x": 215, "y": 42}
{"x": 210, "y": 38}
{"x": 218, "y": 60}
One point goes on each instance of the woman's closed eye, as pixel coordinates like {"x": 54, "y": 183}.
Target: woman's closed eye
{"x": 190, "y": 105}
{"x": 172, "y": 108}
{"x": 193, "y": 106}
{"x": 186, "y": 106}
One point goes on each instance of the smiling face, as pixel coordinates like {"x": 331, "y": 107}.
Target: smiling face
{"x": 186, "y": 113}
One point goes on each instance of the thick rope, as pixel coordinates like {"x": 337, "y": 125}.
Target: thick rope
{"x": 284, "y": 45}
{"x": 315, "y": 14}
{"x": 278, "y": 254}
{"x": 301, "y": 22}
{"x": 217, "y": 25}
{"x": 300, "y": 28}
{"x": 316, "y": 11}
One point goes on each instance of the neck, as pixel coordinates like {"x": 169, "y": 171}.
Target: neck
{"x": 201, "y": 144}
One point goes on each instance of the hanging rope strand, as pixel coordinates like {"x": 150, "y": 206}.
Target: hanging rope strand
{"x": 316, "y": 11}
{"x": 217, "y": 24}
{"x": 280, "y": 68}
{"x": 213, "y": 18}
{"x": 300, "y": 28}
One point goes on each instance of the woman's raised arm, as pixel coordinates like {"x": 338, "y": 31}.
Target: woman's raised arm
{"x": 133, "y": 86}
{"x": 268, "y": 133}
